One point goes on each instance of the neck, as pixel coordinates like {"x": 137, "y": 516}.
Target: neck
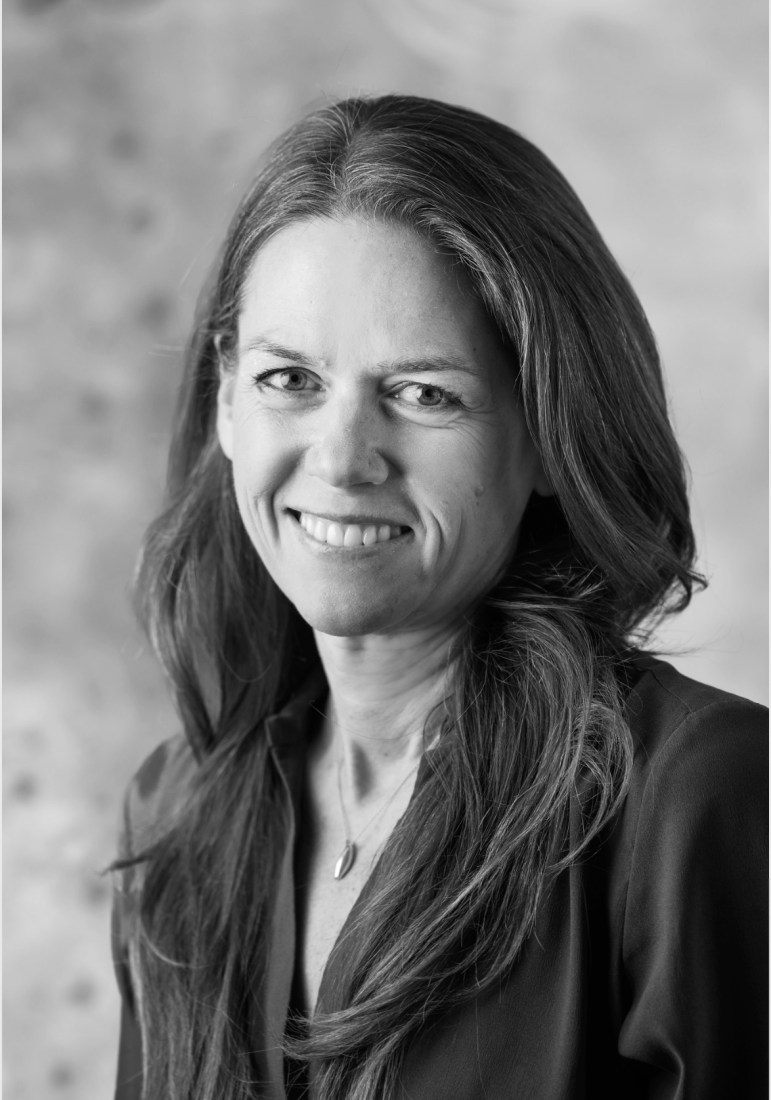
{"x": 382, "y": 690}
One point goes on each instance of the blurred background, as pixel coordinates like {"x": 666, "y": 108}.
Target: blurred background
{"x": 131, "y": 128}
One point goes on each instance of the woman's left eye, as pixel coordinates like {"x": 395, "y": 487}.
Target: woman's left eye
{"x": 426, "y": 396}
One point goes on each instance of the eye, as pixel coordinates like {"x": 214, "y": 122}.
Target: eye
{"x": 288, "y": 380}
{"x": 426, "y": 396}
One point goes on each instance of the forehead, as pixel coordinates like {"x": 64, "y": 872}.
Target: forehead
{"x": 337, "y": 280}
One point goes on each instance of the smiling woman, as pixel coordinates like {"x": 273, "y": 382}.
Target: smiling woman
{"x": 342, "y": 466}
{"x": 437, "y": 825}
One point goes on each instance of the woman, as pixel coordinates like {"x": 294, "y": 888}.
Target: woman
{"x": 437, "y": 826}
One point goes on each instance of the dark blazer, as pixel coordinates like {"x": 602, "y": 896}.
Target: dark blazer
{"x": 647, "y": 973}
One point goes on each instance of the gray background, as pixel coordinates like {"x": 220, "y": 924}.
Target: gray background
{"x": 131, "y": 127}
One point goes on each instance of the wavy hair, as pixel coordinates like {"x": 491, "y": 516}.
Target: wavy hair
{"x": 538, "y": 709}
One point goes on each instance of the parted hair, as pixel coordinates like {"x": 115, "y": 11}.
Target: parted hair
{"x": 537, "y": 711}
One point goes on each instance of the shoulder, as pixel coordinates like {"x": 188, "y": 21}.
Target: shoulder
{"x": 696, "y": 810}
{"x": 686, "y": 729}
{"x": 688, "y": 884}
{"x": 156, "y": 793}
{"x": 696, "y": 804}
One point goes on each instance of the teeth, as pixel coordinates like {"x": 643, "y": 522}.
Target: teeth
{"x": 346, "y": 534}
{"x": 335, "y": 534}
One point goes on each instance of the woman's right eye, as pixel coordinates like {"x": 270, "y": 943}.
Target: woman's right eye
{"x": 286, "y": 380}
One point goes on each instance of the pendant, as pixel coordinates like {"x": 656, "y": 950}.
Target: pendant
{"x": 346, "y": 860}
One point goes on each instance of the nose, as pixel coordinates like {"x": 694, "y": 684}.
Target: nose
{"x": 346, "y": 448}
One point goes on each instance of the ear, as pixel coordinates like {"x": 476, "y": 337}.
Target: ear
{"x": 227, "y": 385}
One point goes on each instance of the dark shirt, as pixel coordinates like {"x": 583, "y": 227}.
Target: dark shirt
{"x": 647, "y": 973}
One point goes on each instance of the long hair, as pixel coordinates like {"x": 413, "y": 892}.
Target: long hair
{"x": 538, "y": 708}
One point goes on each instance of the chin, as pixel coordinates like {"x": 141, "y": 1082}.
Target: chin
{"x": 349, "y": 617}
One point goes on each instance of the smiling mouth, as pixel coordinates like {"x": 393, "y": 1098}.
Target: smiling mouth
{"x": 336, "y": 533}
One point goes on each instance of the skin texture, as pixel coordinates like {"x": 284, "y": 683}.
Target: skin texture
{"x": 347, "y": 422}
{"x": 348, "y": 426}
{"x": 355, "y": 431}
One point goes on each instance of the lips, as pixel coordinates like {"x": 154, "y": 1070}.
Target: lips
{"x": 364, "y": 532}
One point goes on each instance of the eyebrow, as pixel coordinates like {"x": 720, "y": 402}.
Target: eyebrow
{"x": 278, "y": 351}
{"x": 435, "y": 364}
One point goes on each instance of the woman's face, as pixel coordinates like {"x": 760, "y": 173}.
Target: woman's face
{"x": 380, "y": 458}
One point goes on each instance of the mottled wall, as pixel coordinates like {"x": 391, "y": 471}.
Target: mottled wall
{"x": 130, "y": 128}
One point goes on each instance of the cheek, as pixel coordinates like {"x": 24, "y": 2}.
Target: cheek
{"x": 457, "y": 472}
{"x": 262, "y": 455}
{"x": 483, "y": 468}
{"x": 501, "y": 486}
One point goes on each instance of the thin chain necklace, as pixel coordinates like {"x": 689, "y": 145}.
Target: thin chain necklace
{"x": 347, "y": 857}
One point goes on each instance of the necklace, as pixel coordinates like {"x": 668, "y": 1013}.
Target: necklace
{"x": 347, "y": 857}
